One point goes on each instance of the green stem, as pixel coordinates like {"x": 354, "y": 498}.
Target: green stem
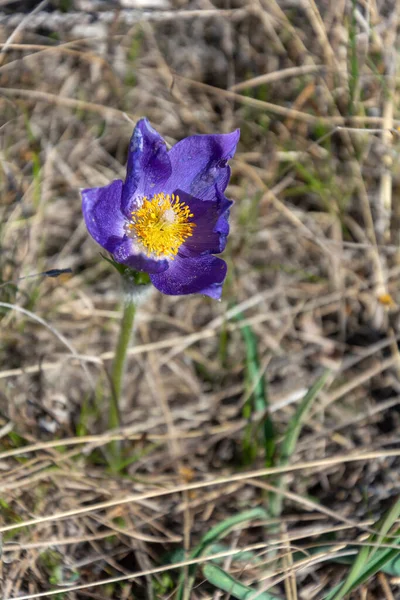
{"x": 118, "y": 369}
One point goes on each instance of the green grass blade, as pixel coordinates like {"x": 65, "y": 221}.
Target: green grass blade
{"x": 289, "y": 441}
{"x": 354, "y": 575}
{"x": 259, "y": 397}
{"x": 291, "y": 436}
{"x": 253, "y": 367}
{"x": 391, "y": 567}
{"x": 225, "y": 582}
{"x": 385, "y": 525}
{"x": 215, "y": 534}
{"x": 371, "y": 559}
{"x": 386, "y": 560}
{"x": 381, "y": 558}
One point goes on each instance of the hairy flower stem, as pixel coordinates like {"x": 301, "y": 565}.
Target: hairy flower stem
{"x": 117, "y": 374}
{"x": 136, "y": 287}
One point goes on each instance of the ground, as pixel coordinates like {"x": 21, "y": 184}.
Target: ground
{"x": 289, "y": 384}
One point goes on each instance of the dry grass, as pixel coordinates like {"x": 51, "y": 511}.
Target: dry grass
{"x": 313, "y": 269}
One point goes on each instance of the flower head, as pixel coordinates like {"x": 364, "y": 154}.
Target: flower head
{"x": 170, "y": 216}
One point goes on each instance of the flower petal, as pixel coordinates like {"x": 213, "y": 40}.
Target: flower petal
{"x": 127, "y": 254}
{"x": 148, "y": 166}
{"x": 212, "y": 227}
{"x": 102, "y": 213}
{"x": 199, "y": 164}
{"x": 201, "y": 275}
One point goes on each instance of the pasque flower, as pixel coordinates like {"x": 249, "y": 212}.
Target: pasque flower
{"x": 170, "y": 215}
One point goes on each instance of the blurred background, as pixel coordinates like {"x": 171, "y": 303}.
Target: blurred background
{"x": 297, "y": 369}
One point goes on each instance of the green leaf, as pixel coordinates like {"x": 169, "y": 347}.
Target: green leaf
{"x": 244, "y": 556}
{"x": 223, "y": 581}
{"x": 215, "y": 534}
{"x": 222, "y": 529}
{"x": 392, "y": 567}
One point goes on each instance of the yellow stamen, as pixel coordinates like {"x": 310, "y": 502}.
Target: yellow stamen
{"x": 162, "y": 224}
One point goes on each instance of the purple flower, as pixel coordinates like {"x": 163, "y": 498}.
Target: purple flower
{"x": 170, "y": 216}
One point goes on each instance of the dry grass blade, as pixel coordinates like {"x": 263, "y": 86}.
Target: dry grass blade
{"x": 313, "y": 267}
{"x": 111, "y": 580}
{"x": 53, "y": 330}
{"x": 199, "y": 485}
